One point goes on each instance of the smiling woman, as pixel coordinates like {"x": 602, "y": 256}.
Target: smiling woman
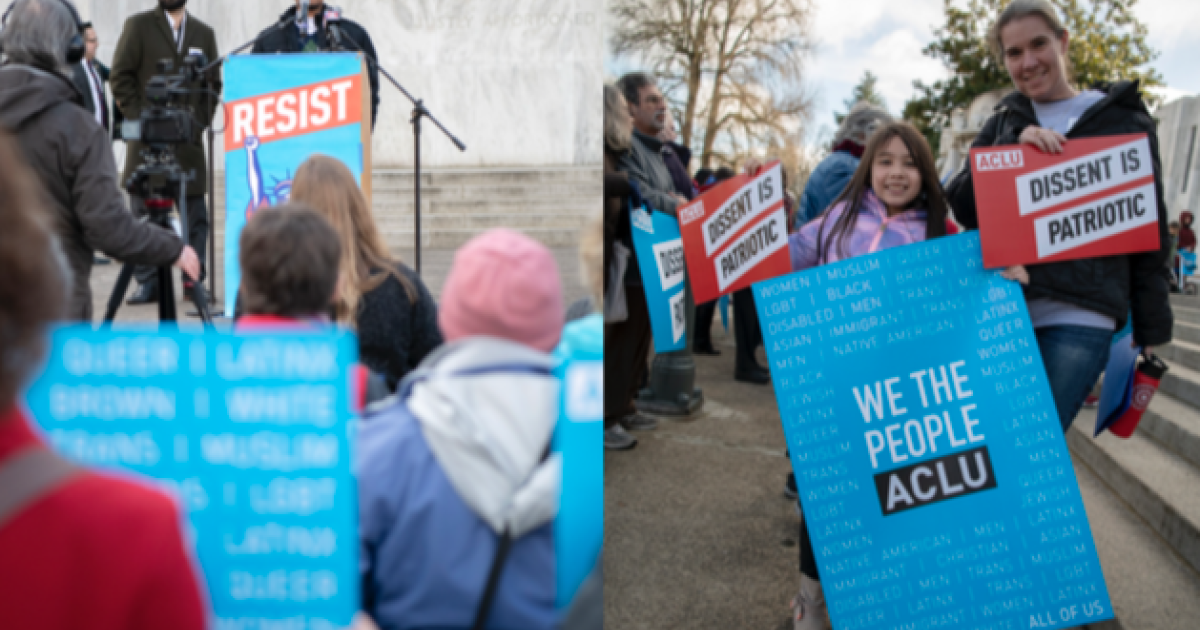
{"x": 1075, "y": 305}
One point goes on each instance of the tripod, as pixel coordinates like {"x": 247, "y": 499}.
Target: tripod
{"x": 159, "y": 207}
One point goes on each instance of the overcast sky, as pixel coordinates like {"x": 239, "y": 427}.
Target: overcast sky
{"x": 886, "y": 37}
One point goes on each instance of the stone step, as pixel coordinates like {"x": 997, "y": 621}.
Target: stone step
{"x": 1189, "y": 314}
{"x": 1150, "y": 586}
{"x": 405, "y": 209}
{"x": 586, "y": 190}
{"x": 1189, "y": 333}
{"x": 1181, "y": 352}
{"x": 398, "y": 238}
{"x": 1173, "y": 424}
{"x": 1183, "y": 383}
{"x": 1158, "y": 484}
{"x": 482, "y": 221}
{"x": 489, "y": 177}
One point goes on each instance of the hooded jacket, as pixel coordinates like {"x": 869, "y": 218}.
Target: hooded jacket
{"x": 457, "y": 458}
{"x": 71, "y": 155}
{"x": 1116, "y": 286}
{"x": 286, "y": 39}
{"x": 903, "y": 229}
{"x": 825, "y": 184}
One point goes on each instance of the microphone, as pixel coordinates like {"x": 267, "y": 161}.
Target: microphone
{"x": 302, "y": 14}
{"x": 333, "y": 21}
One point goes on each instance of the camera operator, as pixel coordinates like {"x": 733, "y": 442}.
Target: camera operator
{"x": 312, "y": 35}
{"x": 167, "y": 32}
{"x": 70, "y": 151}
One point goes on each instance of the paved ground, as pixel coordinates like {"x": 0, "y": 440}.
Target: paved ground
{"x": 435, "y": 265}
{"x": 697, "y": 531}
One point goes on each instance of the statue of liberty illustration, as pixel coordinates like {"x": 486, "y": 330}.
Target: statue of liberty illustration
{"x": 260, "y": 197}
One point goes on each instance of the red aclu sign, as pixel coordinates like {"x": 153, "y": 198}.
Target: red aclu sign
{"x": 1097, "y": 198}
{"x": 294, "y": 112}
{"x": 736, "y": 234}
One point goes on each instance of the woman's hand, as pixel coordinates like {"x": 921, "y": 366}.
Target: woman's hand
{"x": 1017, "y": 273}
{"x": 752, "y": 166}
{"x": 1046, "y": 140}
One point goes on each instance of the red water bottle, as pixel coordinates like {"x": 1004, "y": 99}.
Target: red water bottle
{"x": 1145, "y": 383}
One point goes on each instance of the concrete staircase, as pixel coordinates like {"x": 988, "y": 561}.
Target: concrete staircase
{"x": 549, "y": 204}
{"x": 1143, "y": 494}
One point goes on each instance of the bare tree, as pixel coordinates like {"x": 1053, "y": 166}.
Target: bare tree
{"x": 731, "y": 68}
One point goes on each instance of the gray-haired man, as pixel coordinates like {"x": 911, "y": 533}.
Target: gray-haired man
{"x": 70, "y": 151}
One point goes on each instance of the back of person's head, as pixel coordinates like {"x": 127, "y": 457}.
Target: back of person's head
{"x": 33, "y": 273}
{"x": 38, "y": 33}
{"x": 618, "y": 124}
{"x": 327, "y": 185}
{"x": 703, "y": 175}
{"x": 503, "y": 284}
{"x": 723, "y": 173}
{"x": 864, "y": 118}
{"x": 289, "y": 257}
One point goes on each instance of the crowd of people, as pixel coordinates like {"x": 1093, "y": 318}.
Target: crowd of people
{"x": 455, "y": 501}
{"x": 879, "y": 188}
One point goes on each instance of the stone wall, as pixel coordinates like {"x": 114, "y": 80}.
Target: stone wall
{"x": 1179, "y": 144}
{"x": 518, "y": 81}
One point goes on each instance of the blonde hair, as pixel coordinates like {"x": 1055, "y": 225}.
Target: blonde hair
{"x": 591, "y": 259}
{"x": 328, "y": 186}
{"x": 618, "y": 128}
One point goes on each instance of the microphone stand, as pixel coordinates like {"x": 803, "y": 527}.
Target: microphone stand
{"x": 419, "y": 111}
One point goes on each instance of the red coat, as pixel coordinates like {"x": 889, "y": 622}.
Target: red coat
{"x": 97, "y": 552}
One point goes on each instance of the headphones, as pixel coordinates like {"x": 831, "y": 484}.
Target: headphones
{"x": 76, "y": 47}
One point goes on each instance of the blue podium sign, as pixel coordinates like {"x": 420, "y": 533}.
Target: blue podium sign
{"x": 659, "y": 249}
{"x": 579, "y": 437}
{"x": 249, "y": 433}
{"x": 935, "y": 480}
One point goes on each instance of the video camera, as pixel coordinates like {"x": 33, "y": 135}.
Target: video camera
{"x": 166, "y": 122}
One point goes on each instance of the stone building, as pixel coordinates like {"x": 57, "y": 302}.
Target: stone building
{"x": 518, "y": 82}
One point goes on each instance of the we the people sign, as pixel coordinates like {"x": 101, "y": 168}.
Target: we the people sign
{"x": 1097, "y": 198}
{"x": 935, "y": 480}
{"x": 736, "y": 234}
{"x": 249, "y": 433}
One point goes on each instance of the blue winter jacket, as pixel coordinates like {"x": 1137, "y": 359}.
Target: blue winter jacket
{"x": 827, "y": 181}
{"x": 425, "y": 553}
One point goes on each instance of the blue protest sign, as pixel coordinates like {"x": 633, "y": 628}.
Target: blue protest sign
{"x": 579, "y": 437}
{"x": 936, "y": 484}
{"x": 659, "y": 250}
{"x": 249, "y": 433}
{"x": 1117, "y": 394}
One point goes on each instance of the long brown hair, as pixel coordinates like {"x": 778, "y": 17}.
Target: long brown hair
{"x": 930, "y": 198}
{"x": 326, "y": 185}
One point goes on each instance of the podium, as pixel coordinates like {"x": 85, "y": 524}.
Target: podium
{"x": 280, "y": 109}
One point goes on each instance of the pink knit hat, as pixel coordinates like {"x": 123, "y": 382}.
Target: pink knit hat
{"x": 503, "y": 284}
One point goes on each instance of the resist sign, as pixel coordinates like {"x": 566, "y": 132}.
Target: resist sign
{"x": 935, "y": 480}
{"x": 1095, "y": 199}
{"x": 736, "y": 234}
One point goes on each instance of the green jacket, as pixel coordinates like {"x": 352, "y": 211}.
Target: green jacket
{"x": 146, "y": 39}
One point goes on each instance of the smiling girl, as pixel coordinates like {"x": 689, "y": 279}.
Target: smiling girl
{"x": 893, "y": 199}
{"x": 1075, "y": 305}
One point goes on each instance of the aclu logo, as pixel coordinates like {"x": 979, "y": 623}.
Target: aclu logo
{"x": 999, "y": 160}
{"x": 691, "y": 213}
{"x": 949, "y": 477}
{"x": 643, "y": 221}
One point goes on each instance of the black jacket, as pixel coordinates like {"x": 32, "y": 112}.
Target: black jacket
{"x": 1113, "y": 285}
{"x": 395, "y": 334}
{"x": 286, "y": 39}
{"x": 73, "y": 158}
{"x": 115, "y": 117}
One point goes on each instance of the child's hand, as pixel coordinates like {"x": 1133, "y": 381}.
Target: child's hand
{"x": 1017, "y": 273}
{"x": 1046, "y": 140}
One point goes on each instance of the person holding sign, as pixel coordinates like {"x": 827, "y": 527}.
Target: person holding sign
{"x": 894, "y": 199}
{"x": 1075, "y": 305}
{"x": 79, "y": 549}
